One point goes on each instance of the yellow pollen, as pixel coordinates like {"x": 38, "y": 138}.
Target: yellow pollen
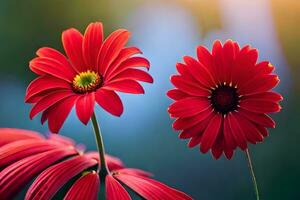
{"x": 87, "y": 81}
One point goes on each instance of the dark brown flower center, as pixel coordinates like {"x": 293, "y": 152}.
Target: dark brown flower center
{"x": 87, "y": 81}
{"x": 224, "y": 98}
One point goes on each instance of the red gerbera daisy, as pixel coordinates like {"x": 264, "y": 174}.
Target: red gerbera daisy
{"x": 223, "y": 98}
{"x": 56, "y": 161}
{"x": 93, "y": 71}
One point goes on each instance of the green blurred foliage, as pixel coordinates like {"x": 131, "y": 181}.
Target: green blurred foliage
{"x": 287, "y": 17}
{"x": 28, "y": 25}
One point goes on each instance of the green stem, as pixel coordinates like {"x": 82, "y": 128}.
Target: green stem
{"x": 103, "y": 167}
{"x": 252, "y": 174}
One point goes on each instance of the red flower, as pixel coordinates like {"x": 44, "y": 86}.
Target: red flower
{"x": 93, "y": 71}
{"x": 56, "y": 160}
{"x": 223, "y": 98}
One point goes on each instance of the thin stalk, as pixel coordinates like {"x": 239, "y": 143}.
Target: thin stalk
{"x": 103, "y": 167}
{"x": 252, "y": 174}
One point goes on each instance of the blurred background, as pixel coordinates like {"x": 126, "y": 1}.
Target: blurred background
{"x": 165, "y": 30}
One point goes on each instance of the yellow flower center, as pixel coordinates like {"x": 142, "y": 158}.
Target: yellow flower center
{"x": 87, "y": 81}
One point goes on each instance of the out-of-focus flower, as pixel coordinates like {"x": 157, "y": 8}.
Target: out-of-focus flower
{"x": 93, "y": 71}
{"x": 56, "y": 160}
{"x": 223, "y": 98}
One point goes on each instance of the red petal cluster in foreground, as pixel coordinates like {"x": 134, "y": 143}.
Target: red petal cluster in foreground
{"x": 222, "y": 98}
{"x": 92, "y": 72}
{"x": 56, "y": 160}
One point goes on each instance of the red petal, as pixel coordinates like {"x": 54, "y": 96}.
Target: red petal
{"x": 189, "y": 87}
{"x": 197, "y": 129}
{"x": 237, "y": 132}
{"x": 229, "y": 142}
{"x": 113, "y": 163}
{"x": 243, "y": 68}
{"x": 44, "y": 84}
{"x": 247, "y": 56}
{"x": 228, "y": 56}
{"x": 188, "y": 107}
{"x": 124, "y": 54}
{"x": 86, "y": 187}
{"x": 49, "y": 100}
{"x": 9, "y": 135}
{"x": 92, "y": 42}
{"x": 217, "y": 152}
{"x": 20, "y": 149}
{"x": 261, "y": 119}
{"x": 211, "y": 133}
{"x": 111, "y": 48}
{"x": 177, "y": 94}
{"x": 131, "y": 63}
{"x": 194, "y": 141}
{"x": 259, "y": 84}
{"x": 114, "y": 190}
{"x": 109, "y": 101}
{"x": 236, "y": 48}
{"x": 37, "y": 97}
{"x": 264, "y": 68}
{"x": 16, "y": 176}
{"x": 186, "y": 73}
{"x": 205, "y": 57}
{"x": 228, "y": 135}
{"x": 85, "y": 107}
{"x": 72, "y": 42}
{"x": 126, "y": 86}
{"x": 59, "y": 139}
{"x": 44, "y": 65}
{"x": 251, "y": 132}
{"x": 259, "y": 106}
{"x": 263, "y": 130}
{"x": 265, "y": 96}
{"x": 199, "y": 72}
{"x": 132, "y": 74}
{"x": 185, "y": 134}
{"x": 218, "y": 147}
{"x": 136, "y": 172}
{"x": 218, "y": 68}
{"x": 228, "y": 153}
{"x": 252, "y": 56}
{"x": 52, "y": 179}
{"x": 246, "y": 61}
{"x": 56, "y": 55}
{"x": 184, "y": 123}
{"x": 44, "y": 117}
{"x": 58, "y": 113}
{"x": 150, "y": 189}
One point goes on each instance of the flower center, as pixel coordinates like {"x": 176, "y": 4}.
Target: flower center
{"x": 87, "y": 81}
{"x": 224, "y": 98}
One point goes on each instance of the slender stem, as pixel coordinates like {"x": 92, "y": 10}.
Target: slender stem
{"x": 252, "y": 174}
{"x": 103, "y": 167}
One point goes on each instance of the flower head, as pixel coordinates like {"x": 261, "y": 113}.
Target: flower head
{"x": 223, "y": 98}
{"x": 57, "y": 161}
{"x": 92, "y": 72}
